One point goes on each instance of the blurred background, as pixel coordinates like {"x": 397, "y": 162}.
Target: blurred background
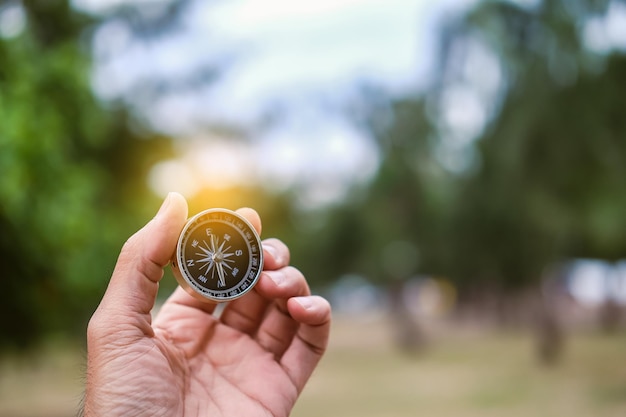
{"x": 451, "y": 175}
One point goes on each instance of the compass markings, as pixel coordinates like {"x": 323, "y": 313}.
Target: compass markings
{"x": 222, "y": 258}
{"x": 214, "y": 257}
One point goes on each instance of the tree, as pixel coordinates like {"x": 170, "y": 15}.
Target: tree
{"x": 552, "y": 161}
{"x": 72, "y": 183}
{"x": 545, "y": 177}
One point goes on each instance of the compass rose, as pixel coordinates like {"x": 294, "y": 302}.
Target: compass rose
{"x": 214, "y": 257}
{"x": 218, "y": 257}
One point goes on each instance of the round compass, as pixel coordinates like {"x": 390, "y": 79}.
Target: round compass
{"x": 218, "y": 257}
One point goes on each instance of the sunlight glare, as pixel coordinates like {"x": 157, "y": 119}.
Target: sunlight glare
{"x": 173, "y": 175}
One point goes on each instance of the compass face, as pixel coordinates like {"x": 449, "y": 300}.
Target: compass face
{"x": 219, "y": 256}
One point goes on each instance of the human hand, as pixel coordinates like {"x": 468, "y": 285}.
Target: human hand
{"x": 253, "y": 360}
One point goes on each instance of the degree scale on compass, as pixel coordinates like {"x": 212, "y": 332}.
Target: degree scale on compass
{"x": 218, "y": 256}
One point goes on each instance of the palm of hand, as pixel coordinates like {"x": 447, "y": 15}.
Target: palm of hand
{"x": 217, "y": 370}
{"x": 195, "y": 365}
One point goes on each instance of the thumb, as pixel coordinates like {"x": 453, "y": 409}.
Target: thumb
{"x": 132, "y": 290}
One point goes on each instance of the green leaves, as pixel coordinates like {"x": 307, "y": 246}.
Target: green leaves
{"x": 62, "y": 161}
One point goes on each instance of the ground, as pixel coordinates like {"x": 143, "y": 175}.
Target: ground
{"x": 463, "y": 373}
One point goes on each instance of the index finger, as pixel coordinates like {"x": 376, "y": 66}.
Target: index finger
{"x": 252, "y": 216}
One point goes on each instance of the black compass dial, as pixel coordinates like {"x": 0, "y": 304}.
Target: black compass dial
{"x": 218, "y": 257}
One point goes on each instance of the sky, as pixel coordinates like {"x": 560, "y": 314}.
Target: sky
{"x": 592, "y": 281}
{"x": 301, "y": 47}
{"x": 282, "y": 51}
{"x": 283, "y": 48}
{"x": 306, "y": 58}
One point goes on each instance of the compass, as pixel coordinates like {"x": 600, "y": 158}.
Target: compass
{"x": 218, "y": 257}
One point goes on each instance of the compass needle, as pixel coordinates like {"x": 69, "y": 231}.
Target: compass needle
{"x": 227, "y": 254}
{"x": 220, "y": 272}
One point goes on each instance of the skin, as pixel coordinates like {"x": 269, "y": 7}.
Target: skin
{"x": 253, "y": 360}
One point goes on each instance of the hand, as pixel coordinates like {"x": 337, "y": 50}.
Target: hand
{"x": 253, "y": 360}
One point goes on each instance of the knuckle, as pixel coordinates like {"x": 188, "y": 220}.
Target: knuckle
{"x": 297, "y": 279}
{"x": 277, "y": 244}
{"x": 95, "y": 327}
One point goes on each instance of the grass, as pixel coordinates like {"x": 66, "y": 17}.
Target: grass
{"x": 462, "y": 374}
{"x": 466, "y": 374}
{"x": 47, "y": 383}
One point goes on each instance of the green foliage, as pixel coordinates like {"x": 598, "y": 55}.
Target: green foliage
{"x": 550, "y": 172}
{"x": 564, "y": 158}
{"x": 65, "y": 167}
{"x": 549, "y": 186}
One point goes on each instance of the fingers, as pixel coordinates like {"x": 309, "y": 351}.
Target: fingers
{"x": 246, "y": 313}
{"x": 311, "y": 340}
{"x": 263, "y": 313}
{"x": 133, "y": 287}
{"x": 278, "y": 328}
{"x": 275, "y": 254}
{"x": 252, "y": 216}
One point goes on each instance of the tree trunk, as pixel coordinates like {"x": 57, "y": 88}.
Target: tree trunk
{"x": 408, "y": 335}
{"x": 610, "y": 316}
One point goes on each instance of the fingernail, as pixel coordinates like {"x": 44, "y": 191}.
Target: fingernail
{"x": 272, "y": 252}
{"x": 277, "y": 277}
{"x": 305, "y": 302}
{"x": 164, "y": 205}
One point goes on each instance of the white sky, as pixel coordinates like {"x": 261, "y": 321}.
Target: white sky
{"x": 592, "y": 282}
{"x": 285, "y": 52}
{"x": 323, "y": 45}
